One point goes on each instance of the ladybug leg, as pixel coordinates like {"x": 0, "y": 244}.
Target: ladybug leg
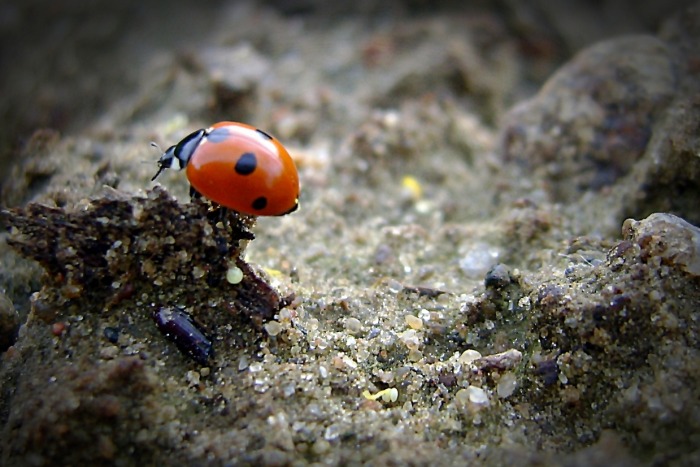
{"x": 214, "y": 216}
{"x": 194, "y": 194}
{"x": 238, "y": 227}
{"x": 222, "y": 243}
{"x": 221, "y": 214}
{"x": 233, "y": 224}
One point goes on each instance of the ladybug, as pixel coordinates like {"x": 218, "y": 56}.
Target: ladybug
{"x": 237, "y": 166}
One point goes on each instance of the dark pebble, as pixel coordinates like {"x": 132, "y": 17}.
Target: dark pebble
{"x": 112, "y": 334}
{"x": 177, "y": 325}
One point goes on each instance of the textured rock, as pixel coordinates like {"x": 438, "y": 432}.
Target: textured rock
{"x": 668, "y": 237}
{"x": 580, "y": 347}
{"x": 593, "y": 119}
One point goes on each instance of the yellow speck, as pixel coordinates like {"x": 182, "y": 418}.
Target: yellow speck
{"x": 412, "y": 186}
{"x": 275, "y": 273}
{"x": 387, "y": 395}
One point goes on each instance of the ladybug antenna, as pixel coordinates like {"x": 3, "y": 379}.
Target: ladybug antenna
{"x": 161, "y": 166}
{"x": 160, "y": 169}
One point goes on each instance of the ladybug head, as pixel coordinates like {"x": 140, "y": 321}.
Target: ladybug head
{"x": 167, "y": 160}
{"x": 176, "y": 157}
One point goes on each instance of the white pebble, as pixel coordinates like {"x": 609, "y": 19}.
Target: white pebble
{"x": 273, "y": 328}
{"x": 477, "y": 396}
{"x": 410, "y": 339}
{"x": 243, "y": 363}
{"x": 353, "y": 325}
{"x": 469, "y": 356}
{"x": 391, "y": 395}
{"x": 506, "y": 385}
{"x": 478, "y": 259}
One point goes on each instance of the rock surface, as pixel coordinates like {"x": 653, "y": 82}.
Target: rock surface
{"x": 495, "y": 259}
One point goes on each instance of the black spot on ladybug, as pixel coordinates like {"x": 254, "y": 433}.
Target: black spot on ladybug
{"x": 246, "y": 164}
{"x": 218, "y": 135}
{"x": 265, "y": 135}
{"x": 259, "y": 203}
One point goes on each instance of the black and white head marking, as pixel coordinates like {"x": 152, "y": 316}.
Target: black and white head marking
{"x": 176, "y": 157}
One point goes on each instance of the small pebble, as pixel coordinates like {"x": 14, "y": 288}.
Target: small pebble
{"x": 243, "y": 363}
{"x": 410, "y": 339}
{"x": 479, "y": 259}
{"x": 414, "y": 322}
{"x": 349, "y": 362}
{"x": 353, "y": 325}
{"x": 462, "y": 396}
{"x": 109, "y": 353}
{"x": 415, "y": 355}
{"x": 321, "y": 446}
{"x": 288, "y": 390}
{"x": 198, "y": 273}
{"x": 391, "y": 395}
{"x": 58, "y": 328}
{"x": 504, "y": 360}
{"x": 506, "y": 385}
{"x": 192, "y": 377}
{"x": 273, "y": 328}
{"x": 469, "y": 356}
{"x": 477, "y": 396}
{"x": 177, "y": 326}
{"x": 111, "y": 334}
{"x": 498, "y": 277}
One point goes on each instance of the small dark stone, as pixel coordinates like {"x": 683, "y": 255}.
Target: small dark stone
{"x": 383, "y": 254}
{"x": 112, "y": 334}
{"x": 422, "y": 291}
{"x": 179, "y": 327}
{"x": 548, "y": 370}
{"x": 448, "y": 379}
{"x": 498, "y": 277}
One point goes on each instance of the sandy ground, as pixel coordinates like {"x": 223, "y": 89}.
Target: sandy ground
{"x": 496, "y": 257}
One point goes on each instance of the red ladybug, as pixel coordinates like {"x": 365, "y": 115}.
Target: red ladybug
{"x": 237, "y": 166}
